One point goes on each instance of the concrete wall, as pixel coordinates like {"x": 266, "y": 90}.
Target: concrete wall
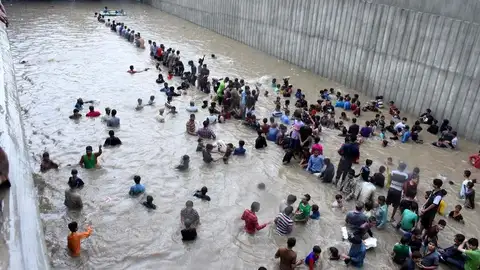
{"x": 419, "y": 53}
{"x": 25, "y": 234}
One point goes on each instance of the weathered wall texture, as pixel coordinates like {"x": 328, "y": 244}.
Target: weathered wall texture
{"x": 25, "y": 232}
{"x": 419, "y": 53}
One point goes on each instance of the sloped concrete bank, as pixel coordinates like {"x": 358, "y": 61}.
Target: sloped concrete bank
{"x": 23, "y": 228}
{"x": 421, "y": 54}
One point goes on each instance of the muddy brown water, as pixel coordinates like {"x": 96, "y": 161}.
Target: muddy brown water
{"x": 70, "y": 55}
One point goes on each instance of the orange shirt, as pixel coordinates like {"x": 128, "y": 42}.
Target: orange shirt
{"x": 74, "y": 240}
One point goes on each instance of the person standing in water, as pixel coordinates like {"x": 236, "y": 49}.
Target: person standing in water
{"x": 47, "y": 163}
{"x": 90, "y": 159}
{"x": 251, "y": 220}
{"x": 74, "y": 238}
{"x": 112, "y": 140}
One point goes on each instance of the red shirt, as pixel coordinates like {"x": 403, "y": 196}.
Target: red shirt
{"x": 475, "y": 160}
{"x": 251, "y": 222}
{"x": 353, "y": 107}
{"x": 132, "y": 71}
{"x": 159, "y": 52}
{"x": 93, "y": 114}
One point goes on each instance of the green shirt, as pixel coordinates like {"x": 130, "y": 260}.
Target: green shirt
{"x": 305, "y": 210}
{"x": 473, "y": 259}
{"x": 220, "y": 89}
{"x": 401, "y": 251}
{"x": 89, "y": 163}
{"x": 408, "y": 219}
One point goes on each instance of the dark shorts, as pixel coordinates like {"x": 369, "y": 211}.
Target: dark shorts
{"x": 394, "y": 197}
{"x": 427, "y": 220}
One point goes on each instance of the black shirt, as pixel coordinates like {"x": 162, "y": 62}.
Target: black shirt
{"x": 112, "y": 141}
{"x": 189, "y": 234}
{"x": 353, "y": 129}
{"x": 457, "y": 218}
{"x": 199, "y": 194}
{"x": 149, "y": 205}
{"x": 260, "y": 142}
{"x": 75, "y": 183}
{"x": 378, "y": 179}
{"x": 328, "y": 173}
{"x": 433, "y": 129}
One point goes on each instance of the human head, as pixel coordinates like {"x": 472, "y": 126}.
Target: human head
{"x": 317, "y": 250}
{"x": 91, "y": 108}
{"x": 89, "y": 150}
{"x": 46, "y": 156}
{"x": 187, "y": 222}
{"x": 131, "y": 67}
{"x": 288, "y": 210}
{"x": 189, "y": 204}
{"x": 139, "y": 101}
{"x": 354, "y": 120}
{"x": 152, "y": 98}
{"x": 459, "y": 238}
{"x": 306, "y": 198}
{"x": 161, "y": 111}
{"x": 291, "y": 242}
{"x": 372, "y": 220}
{"x": 414, "y": 207}
{"x": 437, "y": 183}
{"x": 441, "y": 224}
{"x": 472, "y": 243}
{"x": 255, "y": 207}
{"x": 73, "y": 226}
{"x": 470, "y": 185}
{"x": 75, "y": 111}
{"x": 338, "y": 197}
{"x": 111, "y": 133}
{"x": 368, "y": 162}
{"x": 326, "y": 161}
{"x": 333, "y": 252}
{"x": 416, "y": 256}
{"x": 467, "y": 173}
{"x": 107, "y": 110}
{"x": 241, "y": 143}
{"x": 458, "y": 208}
{"x": 432, "y": 246}
{"x": 205, "y": 123}
{"x": 149, "y": 199}
{"x": 137, "y": 179}
{"x": 404, "y": 240}
{"x": 315, "y": 208}
{"x": 204, "y": 190}
{"x": 359, "y": 206}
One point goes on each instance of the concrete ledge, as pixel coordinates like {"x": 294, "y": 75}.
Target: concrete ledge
{"x": 25, "y": 238}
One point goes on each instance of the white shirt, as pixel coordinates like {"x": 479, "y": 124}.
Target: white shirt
{"x": 366, "y": 192}
{"x": 400, "y": 125}
{"x": 212, "y": 119}
{"x": 463, "y": 188}
{"x": 192, "y": 109}
{"x": 454, "y": 141}
{"x": 160, "y": 118}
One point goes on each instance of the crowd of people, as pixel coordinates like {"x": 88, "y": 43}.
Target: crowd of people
{"x": 296, "y": 128}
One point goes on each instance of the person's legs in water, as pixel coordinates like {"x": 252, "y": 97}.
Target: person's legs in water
{"x": 344, "y": 167}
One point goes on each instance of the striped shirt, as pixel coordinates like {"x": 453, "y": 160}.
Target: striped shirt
{"x": 206, "y": 133}
{"x": 284, "y": 224}
{"x": 398, "y": 179}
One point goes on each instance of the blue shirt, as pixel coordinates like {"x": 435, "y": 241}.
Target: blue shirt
{"x": 366, "y": 132}
{"x": 244, "y": 97}
{"x": 310, "y": 257}
{"x": 357, "y": 255}
{"x": 315, "y": 163}
{"x": 315, "y": 215}
{"x": 78, "y": 106}
{"x": 137, "y": 189}
{"x": 405, "y": 136}
{"x": 272, "y": 134}
{"x": 239, "y": 151}
{"x": 298, "y": 95}
{"x": 346, "y": 105}
{"x": 285, "y": 119}
{"x": 381, "y": 216}
{"x": 339, "y": 104}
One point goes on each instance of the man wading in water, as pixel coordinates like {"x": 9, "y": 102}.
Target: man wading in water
{"x": 90, "y": 159}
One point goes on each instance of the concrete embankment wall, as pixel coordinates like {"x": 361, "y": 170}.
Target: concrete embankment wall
{"x": 420, "y": 53}
{"x": 25, "y": 234}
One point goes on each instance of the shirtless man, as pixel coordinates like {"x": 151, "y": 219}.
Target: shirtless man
{"x": 47, "y": 163}
{"x": 139, "y": 41}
